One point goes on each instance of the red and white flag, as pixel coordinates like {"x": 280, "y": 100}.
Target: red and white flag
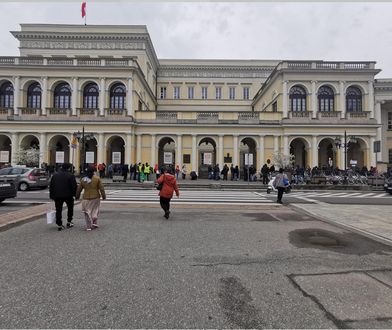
{"x": 84, "y": 9}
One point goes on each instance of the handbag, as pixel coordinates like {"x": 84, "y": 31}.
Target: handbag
{"x": 159, "y": 186}
{"x": 51, "y": 216}
{"x": 285, "y": 182}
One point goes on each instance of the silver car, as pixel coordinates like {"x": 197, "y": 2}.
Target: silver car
{"x": 25, "y": 177}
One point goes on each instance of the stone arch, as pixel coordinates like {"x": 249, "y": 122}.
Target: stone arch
{"x": 248, "y": 146}
{"x": 5, "y": 149}
{"x": 59, "y": 151}
{"x": 166, "y": 144}
{"x": 115, "y": 150}
{"x": 299, "y": 147}
{"x": 207, "y": 155}
{"x": 327, "y": 155}
{"x": 357, "y": 153}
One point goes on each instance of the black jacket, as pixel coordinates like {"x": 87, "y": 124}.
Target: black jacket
{"x": 62, "y": 185}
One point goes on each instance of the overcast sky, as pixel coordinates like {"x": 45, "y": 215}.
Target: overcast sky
{"x": 235, "y": 30}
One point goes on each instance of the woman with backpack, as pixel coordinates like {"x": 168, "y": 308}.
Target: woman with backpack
{"x": 281, "y": 182}
{"x": 167, "y": 185}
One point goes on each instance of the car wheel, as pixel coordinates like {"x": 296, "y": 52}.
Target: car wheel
{"x": 23, "y": 186}
{"x": 2, "y": 200}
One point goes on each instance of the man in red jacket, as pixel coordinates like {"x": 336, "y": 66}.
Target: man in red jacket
{"x": 169, "y": 186}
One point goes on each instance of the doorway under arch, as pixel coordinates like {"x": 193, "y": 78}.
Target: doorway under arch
{"x": 166, "y": 152}
{"x": 5, "y": 150}
{"x": 326, "y": 153}
{"x": 248, "y": 154}
{"x": 58, "y": 150}
{"x": 298, "y": 148}
{"x": 207, "y": 156}
{"x": 115, "y": 153}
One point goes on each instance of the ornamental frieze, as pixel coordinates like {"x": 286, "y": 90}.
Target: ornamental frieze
{"x": 81, "y": 45}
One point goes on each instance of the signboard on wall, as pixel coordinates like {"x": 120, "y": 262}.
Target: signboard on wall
{"x": 186, "y": 159}
{"x": 207, "y": 158}
{"x": 4, "y": 156}
{"x": 90, "y": 157}
{"x": 60, "y": 157}
{"x": 168, "y": 157}
{"x": 116, "y": 157}
{"x": 248, "y": 159}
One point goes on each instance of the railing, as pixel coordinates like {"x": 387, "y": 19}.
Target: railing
{"x": 356, "y": 66}
{"x": 300, "y": 65}
{"x": 6, "y": 111}
{"x": 119, "y": 62}
{"x": 30, "y": 111}
{"x": 166, "y": 116}
{"x": 116, "y": 112}
{"x": 7, "y": 60}
{"x": 208, "y": 117}
{"x": 248, "y": 117}
{"x": 354, "y": 115}
{"x": 329, "y": 114}
{"x": 63, "y": 61}
{"x": 31, "y": 61}
{"x": 300, "y": 114}
{"x": 87, "y": 111}
{"x": 327, "y": 65}
{"x": 89, "y": 62}
{"x": 59, "y": 111}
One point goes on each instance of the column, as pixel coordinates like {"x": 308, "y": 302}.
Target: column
{"x": 285, "y": 110}
{"x": 128, "y": 150}
{"x": 235, "y": 150}
{"x": 342, "y": 155}
{"x": 377, "y": 116}
{"x": 286, "y": 148}
{"x": 16, "y": 95}
{"x": 261, "y": 151}
{"x": 342, "y": 98}
{"x": 130, "y": 110}
{"x": 102, "y": 98}
{"x": 153, "y": 150}
{"x": 101, "y": 148}
{"x": 314, "y": 103}
{"x": 75, "y": 94}
{"x": 276, "y": 143}
{"x": 194, "y": 153}
{"x": 220, "y": 151}
{"x": 138, "y": 148}
{"x": 43, "y": 149}
{"x": 371, "y": 98}
{"x": 372, "y": 156}
{"x": 179, "y": 150}
{"x": 14, "y": 148}
{"x": 44, "y": 96}
{"x": 314, "y": 151}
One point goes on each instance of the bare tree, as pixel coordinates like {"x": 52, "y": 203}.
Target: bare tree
{"x": 28, "y": 157}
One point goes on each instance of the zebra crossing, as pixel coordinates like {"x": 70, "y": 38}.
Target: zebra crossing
{"x": 209, "y": 197}
{"x": 336, "y": 194}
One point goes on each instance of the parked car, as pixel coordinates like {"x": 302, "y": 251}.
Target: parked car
{"x": 388, "y": 185}
{"x": 26, "y": 177}
{"x": 7, "y": 189}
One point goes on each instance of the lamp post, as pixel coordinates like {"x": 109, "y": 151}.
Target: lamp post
{"x": 82, "y": 138}
{"x": 345, "y": 145}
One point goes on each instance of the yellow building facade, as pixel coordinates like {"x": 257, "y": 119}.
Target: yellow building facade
{"x": 135, "y": 107}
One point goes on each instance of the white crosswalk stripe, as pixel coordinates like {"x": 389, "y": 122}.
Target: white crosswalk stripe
{"x": 330, "y": 194}
{"x": 190, "y": 197}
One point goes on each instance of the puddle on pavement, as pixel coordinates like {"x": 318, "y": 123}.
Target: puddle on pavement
{"x": 260, "y": 216}
{"x": 347, "y": 243}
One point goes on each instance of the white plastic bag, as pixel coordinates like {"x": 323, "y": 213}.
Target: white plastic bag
{"x": 51, "y": 215}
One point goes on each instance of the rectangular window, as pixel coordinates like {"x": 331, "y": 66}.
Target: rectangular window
{"x": 204, "y": 93}
{"x": 275, "y": 107}
{"x": 218, "y": 93}
{"x": 232, "y": 93}
{"x": 191, "y": 92}
{"x": 176, "y": 92}
{"x": 390, "y": 120}
{"x": 163, "y": 92}
{"x": 246, "y": 93}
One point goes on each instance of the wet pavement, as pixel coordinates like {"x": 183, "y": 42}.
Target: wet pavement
{"x": 231, "y": 267}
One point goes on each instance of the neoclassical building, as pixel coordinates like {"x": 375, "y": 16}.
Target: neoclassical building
{"x": 135, "y": 107}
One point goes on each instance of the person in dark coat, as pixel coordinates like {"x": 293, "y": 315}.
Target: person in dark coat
{"x": 125, "y": 171}
{"x": 264, "y": 173}
{"x": 62, "y": 190}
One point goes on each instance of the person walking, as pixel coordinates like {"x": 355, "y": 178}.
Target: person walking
{"x": 264, "y": 173}
{"x": 169, "y": 186}
{"x": 281, "y": 182}
{"x": 62, "y": 190}
{"x": 93, "y": 191}
{"x": 183, "y": 172}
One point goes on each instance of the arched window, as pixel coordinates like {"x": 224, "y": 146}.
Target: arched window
{"x": 326, "y": 99}
{"x": 34, "y": 96}
{"x": 117, "y": 96}
{"x": 62, "y": 96}
{"x": 6, "y": 95}
{"x": 297, "y": 99}
{"x": 353, "y": 99}
{"x": 90, "y": 96}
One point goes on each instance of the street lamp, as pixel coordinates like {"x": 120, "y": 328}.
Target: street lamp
{"x": 82, "y": 139}
{"x": 345, "y": 144}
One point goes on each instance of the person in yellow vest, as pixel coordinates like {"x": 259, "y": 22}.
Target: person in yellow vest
{"x": 147, "y": 171}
